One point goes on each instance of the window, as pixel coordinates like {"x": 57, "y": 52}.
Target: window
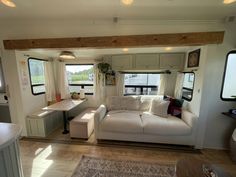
{"x": 188, "y": 86}
{"x": 141, "y": 84}
{"x": 228, "y": 92}
{"x": 37, "y": 78}
{"x": 80, "y": 76}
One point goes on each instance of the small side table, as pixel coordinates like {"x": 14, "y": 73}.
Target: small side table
{"x": 192, "y": 167}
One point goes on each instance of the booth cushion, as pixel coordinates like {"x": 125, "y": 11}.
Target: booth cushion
{"x": 164, "y": 126}
{"x": 122, "y": 121}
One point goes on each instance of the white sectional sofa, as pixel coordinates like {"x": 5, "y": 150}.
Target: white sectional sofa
{"x": 128, "y": 119}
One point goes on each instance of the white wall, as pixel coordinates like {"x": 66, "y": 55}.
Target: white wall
{"x": 194, "y": 105}
{"x": 216, "y": 125}
{"x": 219, "y": 128}
{"x": 214, "y": 129}
{"x": 21, "y": 101}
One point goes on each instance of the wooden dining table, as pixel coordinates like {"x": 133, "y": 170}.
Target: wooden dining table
{"x": 65, "y": 106}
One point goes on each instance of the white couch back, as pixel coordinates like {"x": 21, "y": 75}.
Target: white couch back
{"x": 135, "y": 103}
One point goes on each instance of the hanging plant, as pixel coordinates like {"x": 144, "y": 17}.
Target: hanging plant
{"x": 103, "y": 67}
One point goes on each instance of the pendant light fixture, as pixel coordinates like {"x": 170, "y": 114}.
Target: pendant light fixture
{"x": 67, "y": 55}
{"x": 8, "y": 3}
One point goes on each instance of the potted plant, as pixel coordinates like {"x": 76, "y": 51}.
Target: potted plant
{"x": 104, "y": 67}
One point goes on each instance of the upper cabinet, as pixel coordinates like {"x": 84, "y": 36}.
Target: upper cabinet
{"x": 172, "y": 61}
{"x": 122, "y": 62}
{"x": 146, "y": 61}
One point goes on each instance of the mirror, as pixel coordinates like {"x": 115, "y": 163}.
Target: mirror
{"x": 228, "y": 91}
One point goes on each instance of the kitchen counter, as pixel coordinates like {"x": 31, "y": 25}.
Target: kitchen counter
{"x": 10, "y": 165}
{"x": 8, "y": 134}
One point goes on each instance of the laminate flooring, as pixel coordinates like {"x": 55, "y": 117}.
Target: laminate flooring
{"x": 43, "y": 159}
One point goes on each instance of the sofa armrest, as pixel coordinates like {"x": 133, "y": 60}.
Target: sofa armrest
{"x": 189, "y": 118}
{"x": 98, "y": 116}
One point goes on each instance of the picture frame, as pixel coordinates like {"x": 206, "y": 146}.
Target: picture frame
{"x": 111, "y": 79}
{"x": 193, "y": 58}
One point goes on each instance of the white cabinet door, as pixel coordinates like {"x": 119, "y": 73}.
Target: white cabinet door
{"x": 122, "y": 62}
{"x": 171, "y": 61}
{"x": 146, "y": 61}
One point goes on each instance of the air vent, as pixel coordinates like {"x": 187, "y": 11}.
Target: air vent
{"x": 230, "y": 19}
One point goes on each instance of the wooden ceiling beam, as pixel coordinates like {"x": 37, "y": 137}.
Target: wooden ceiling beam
{"x": 149, "y": 40}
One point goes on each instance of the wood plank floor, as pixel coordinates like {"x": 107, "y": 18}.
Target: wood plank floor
{"x": 59, "y": 160}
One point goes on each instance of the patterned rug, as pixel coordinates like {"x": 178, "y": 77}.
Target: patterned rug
{"x": 97, "y": 167}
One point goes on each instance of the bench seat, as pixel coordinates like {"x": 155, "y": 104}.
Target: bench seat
{"x": 82, "y": 125}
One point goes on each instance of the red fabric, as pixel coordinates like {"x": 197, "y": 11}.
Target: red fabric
{"x": 172, "y": 109}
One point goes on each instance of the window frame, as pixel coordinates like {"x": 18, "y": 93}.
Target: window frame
{"x": 82, "y": 85}
{"x": 140, "y": 86}
{"x": 223, "y": 78}
{"x": 184, "y": 98}
{"x": 34, "y": 85}
{"x": 2, "y": 78}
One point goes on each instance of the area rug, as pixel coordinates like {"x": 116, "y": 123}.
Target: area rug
{"x": 98, "y": 167}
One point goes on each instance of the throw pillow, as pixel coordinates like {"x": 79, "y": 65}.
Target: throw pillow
{"x": 146, "y": 101}
{"x": 175, "y": 106}
{"x": 159, "y": 107}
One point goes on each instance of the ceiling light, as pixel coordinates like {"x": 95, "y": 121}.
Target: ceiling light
{"x": 67, "y": 55}
{"x": 8, "y": 3}
{"x": 127, "y": 2}
{"x": 229, "y": 1}
{"x": 125, "y": 49}
{"x": 168, "y": 48}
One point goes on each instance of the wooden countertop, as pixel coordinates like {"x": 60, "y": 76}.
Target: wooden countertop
{"x": 8, "y": 134}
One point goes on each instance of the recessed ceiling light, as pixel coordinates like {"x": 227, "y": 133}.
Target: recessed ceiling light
{"x": 125, "y": 49}
{"x": 127, "y": 2}
{"x": 229, "y": 1}
{"x": 168, "y": 48}
{"x": 8, "y": 3}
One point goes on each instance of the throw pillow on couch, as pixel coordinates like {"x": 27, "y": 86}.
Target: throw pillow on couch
{"x": 175, "y": 106}
{"x": 159, "y": 107}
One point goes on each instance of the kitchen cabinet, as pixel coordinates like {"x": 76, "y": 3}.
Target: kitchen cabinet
{"x": 172, "y": 61}
{"x": 122, "y": 62}
{"x": 146, "y": 61}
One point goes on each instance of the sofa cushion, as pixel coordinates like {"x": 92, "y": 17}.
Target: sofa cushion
{"x": 114, "y": 103}
{"x": 147, "y": 100}
{"x": 122, "y": 121}
{"x": 159, "y": 107}
{"x": 130, "y": 103}
{"x": 123, "y": 103}
{"x": 164, "y": 126}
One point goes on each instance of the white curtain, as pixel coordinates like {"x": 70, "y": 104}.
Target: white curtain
{"x": 120, "y": 85}
{"x": 49, "y": 81}
{"x": 179, "y": 85}
{"x": 99, "y": 86}
{"x": 63, "y": 86}
{"x": 163, "y": 84}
